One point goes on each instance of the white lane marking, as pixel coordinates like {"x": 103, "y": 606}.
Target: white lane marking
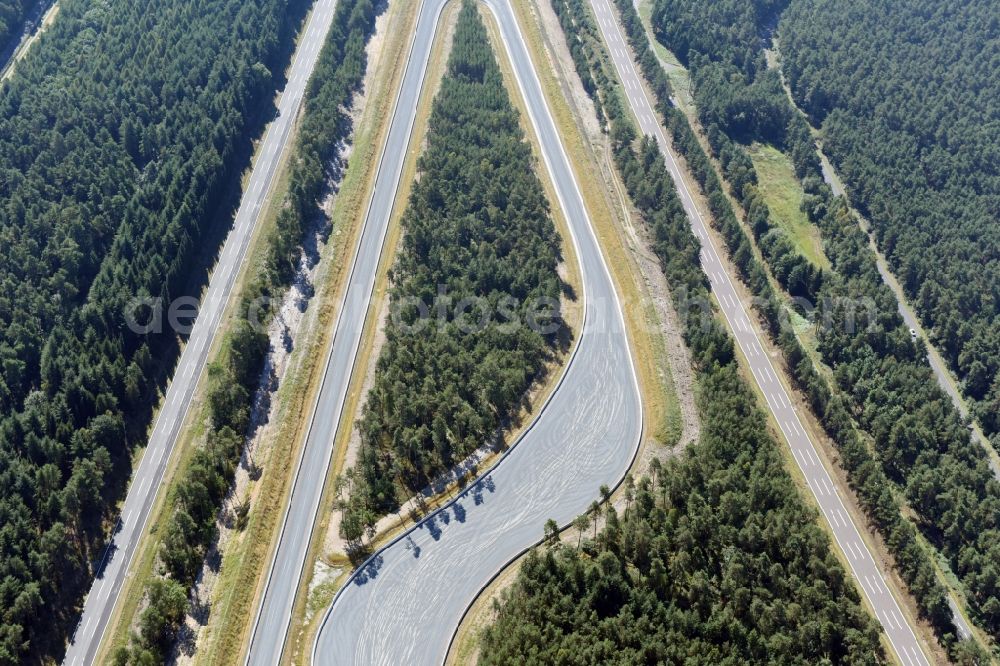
{"x": 826, "y": 484}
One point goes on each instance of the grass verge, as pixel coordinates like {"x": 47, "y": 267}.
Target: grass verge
{"x": 677, "y": 73}
{"x": 784, "y": 195}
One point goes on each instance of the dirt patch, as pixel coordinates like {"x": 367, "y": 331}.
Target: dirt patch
{"x": 569, "y": 81}
{"x": 282, "y": 332}
{"x": 677, "y": 353}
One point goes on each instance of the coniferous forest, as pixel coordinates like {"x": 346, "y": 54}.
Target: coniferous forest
{"x": 906, "y": 96}
{"x": 202, "y": 488}
{"x": 123, "y": 136}
{"x": 119, "y": 136}
{"x": 902, "y": 440}
{"x": 477, "y": 226}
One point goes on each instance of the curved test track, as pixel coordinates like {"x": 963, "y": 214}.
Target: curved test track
{"x": 402, "y": 607}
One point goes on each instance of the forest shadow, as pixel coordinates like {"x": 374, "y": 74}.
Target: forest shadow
{"x": 476, "y": 491}
{"x": 412, "y": 546}
{"x": 436, "y": 522}
{"x": 186, "y": 637}
{"x": 369, "y": 571}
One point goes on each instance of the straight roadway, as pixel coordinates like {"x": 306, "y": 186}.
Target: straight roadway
{"x": 404, "y": 604}
{"x": 148, "y": 474}
{"x": 270, "y": 627}
{"x": 901, "y": 635}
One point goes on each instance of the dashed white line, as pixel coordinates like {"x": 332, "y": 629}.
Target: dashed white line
{"x": 829, "y": 486}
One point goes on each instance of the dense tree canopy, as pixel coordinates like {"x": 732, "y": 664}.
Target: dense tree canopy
{"x": 740, "y": 100}
{"x": 118, "y": 135}
{"x": 477, "y": 227}
{"x": 884, "y": 391}
{"x": 908, "y": 94}
{"x": 879, "y": 495}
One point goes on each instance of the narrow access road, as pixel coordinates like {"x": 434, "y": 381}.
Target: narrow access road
{"x": 945, "y": 378}
{"x": 270, "y": 626}
{"x": 404, "y": 605}
{"x": 901, "y": 635}
{"x": 148, "y": 475}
